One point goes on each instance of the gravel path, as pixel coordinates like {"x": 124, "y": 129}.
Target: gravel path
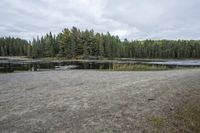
{"x": 92, "y": 101}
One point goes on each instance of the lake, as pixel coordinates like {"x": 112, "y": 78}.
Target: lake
{"x": 15, "y": 65}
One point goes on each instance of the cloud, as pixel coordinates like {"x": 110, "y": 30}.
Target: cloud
{"x": 132, "y": 19}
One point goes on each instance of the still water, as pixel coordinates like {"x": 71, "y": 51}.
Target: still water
{"x": 8, "y": 65}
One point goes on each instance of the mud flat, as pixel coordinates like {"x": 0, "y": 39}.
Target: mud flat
{"x": 99, "y": 101}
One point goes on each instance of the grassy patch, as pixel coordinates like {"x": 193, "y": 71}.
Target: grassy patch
{"x": 187, "y": 118}
{"x": 157, "y": 121}
{"x": 136, "y": 67}
{"x": 184, "y": 119}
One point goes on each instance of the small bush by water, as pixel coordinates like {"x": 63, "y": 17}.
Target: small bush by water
{"x": 6, "y": 70}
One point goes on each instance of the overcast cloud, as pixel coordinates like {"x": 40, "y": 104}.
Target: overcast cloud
{"x": 132, "y": 19}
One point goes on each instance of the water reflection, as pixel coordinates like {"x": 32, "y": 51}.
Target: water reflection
{"x": 38, "y": 65}
{"x": 11, "y": 66}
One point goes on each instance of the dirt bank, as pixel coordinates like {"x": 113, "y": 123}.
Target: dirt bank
{"x": 97, "y": 101}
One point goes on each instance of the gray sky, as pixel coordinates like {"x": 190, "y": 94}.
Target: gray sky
{"x": 132, "y": 19}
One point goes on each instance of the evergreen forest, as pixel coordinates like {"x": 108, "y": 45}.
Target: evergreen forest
{"x": 74, "y": 43}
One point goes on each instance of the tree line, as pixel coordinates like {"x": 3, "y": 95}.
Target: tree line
{"x": 13, "y": 46}
{"x": 74, "y": 43}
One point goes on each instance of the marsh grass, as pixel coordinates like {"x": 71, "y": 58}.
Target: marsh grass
{"x": 136, "y": 67}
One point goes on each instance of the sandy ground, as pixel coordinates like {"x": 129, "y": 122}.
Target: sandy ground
{"x": 93, "y": 101}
